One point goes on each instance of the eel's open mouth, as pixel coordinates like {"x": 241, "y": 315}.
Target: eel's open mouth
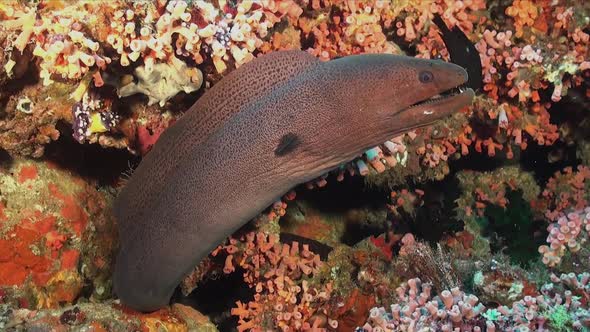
{"x": 454, "y": 92}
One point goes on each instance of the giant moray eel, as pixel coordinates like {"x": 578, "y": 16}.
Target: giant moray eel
{"x": 278, "y": 121}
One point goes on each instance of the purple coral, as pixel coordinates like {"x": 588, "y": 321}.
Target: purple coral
{"x": 568, "y": 233}
{"x": 81, "y": 122}
{"x": 109, "y": 119}
{"x": 562, "y": 306}
{"x": 83, "y": 112}
{"x": 417, "y": 310}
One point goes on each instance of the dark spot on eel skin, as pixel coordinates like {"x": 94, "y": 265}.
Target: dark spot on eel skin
{"x": 288, "y": 144}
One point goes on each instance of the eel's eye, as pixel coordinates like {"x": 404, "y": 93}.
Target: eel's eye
{"x": 426, "y": 77}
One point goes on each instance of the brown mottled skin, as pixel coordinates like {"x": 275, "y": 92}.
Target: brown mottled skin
{"x": 278, "y": 121}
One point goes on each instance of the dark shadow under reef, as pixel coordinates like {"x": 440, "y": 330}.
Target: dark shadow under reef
{"x": 215, "y": 297}
{"x": 105, "y": 165}
{"x": 336, "y": 198}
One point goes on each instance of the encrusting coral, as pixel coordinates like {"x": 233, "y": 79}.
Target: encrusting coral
{"x": 107, "y": 316}
{"x": 52, "y": 223}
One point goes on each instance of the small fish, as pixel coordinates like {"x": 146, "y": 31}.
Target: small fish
{"x": 462, "y": 52}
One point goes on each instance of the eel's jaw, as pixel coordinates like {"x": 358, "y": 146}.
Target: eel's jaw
{"x": 443, "y": 96}
{"x": 439, "y": 106}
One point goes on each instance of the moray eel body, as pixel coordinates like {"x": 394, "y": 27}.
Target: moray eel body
{"x": 278, "y": 121}
{"x": 462, "y": 52}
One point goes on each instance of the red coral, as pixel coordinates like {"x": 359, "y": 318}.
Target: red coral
{"x": 567, "y": 189}
{"x": 54, "y": 240}
{"x": 277, "y": 273}
{"x": 17, "y": 260}
{"x": 27, "y": 173}
{"x": 2, "y": 214}
{"x": 385, "y": 243}
{"x": 69, "y": 259}
{"x": 71, "y": 210}
{"x": 147, "y": 136}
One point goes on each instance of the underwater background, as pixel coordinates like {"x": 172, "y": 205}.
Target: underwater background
{"x": 478, "y": 222}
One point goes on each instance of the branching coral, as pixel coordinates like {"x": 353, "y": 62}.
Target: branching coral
{"x": 569, "y": 232}
{"x": 278, "y": 273}
{"x": 79, "y": 42}
{"x": 517, "y": 71}
{"x": 150, "y": 31}
{"x": 227, "y": 33}
{"x": 561, "y": 306}
{"x": 481, "y": 189}
{"x": 60, "y": 41}
{"x": 566, "y": 190}
{"x": 511, "y": 113}
{"x": 418, "y": 310}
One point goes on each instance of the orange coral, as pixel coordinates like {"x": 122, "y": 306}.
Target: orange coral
{"x": 524, "y": 13}
{"x": 54, "y": 240}
{"x": 17, "y": 261}
{"x": 278, "y": 273}
{"x": 40, "y": 248}
{"x": 566, "y": 190}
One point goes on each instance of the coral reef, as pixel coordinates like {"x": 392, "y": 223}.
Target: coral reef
{"x": 566, "y": 190}
{"x": 278, "y": 273}
{"x": 164, "y": 81}
{"x": 511, "y": 231}
{"x": 503, "y": 286}
{"x": 106, "y": 316}
{"x": 29, "y": 118}
{"x": 569, "y": 232}
{"x": 484, "y": 189}
{"x": 418, "y": 310}
{"x": 55, "y": 233}
{"x": 555, "y": 309}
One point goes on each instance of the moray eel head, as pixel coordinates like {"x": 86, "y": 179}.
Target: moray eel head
{"x": 435, "y": 90}
{"x": 379, "y": 96}
{"x": 414, "y": 92}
